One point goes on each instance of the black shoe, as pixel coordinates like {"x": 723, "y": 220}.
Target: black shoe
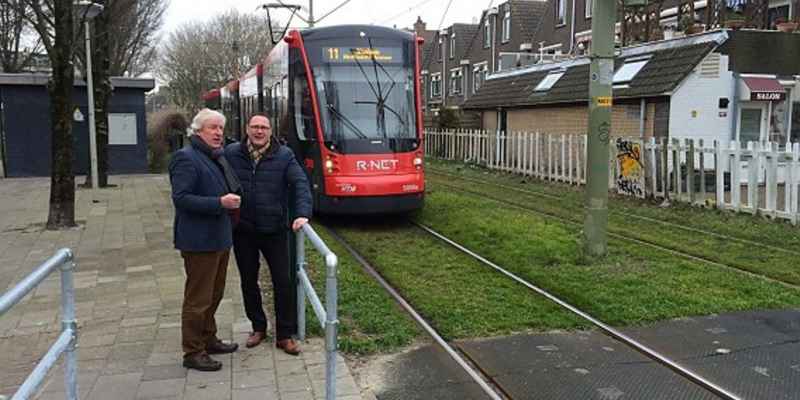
{"x": 201, "y": 362}
{"x": 220, "y": 347}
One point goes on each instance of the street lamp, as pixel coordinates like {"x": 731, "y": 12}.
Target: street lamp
{"x": 90, "y": 10}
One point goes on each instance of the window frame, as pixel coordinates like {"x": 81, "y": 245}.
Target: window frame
{"x": 631, "y": 69}
{"x": 479, "y": 72}
{"x": 587, "y": 12}
{"x": 452, "y": 46}
{"x": 506, "y": 36}
{"x": 561, "y": 12}
{"x": 487, "y": 33}
{"x": 436, "y": 85}
{"x": 549, "y": 81}
{"x": 456, "y": 75}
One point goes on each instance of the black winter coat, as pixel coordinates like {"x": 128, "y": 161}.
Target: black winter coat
{"x": 266, "y": 187}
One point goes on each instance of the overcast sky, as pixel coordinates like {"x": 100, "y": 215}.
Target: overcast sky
{"x": 402, "y": 13}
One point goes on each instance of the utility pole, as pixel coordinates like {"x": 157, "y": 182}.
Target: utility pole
{"x": 311, "y": 13}
{"x": 601, "y": 73}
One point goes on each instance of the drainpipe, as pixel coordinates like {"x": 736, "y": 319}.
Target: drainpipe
{"x": 445, "y": 72}
{"x": 735, "y": 106}
{"x": 642, "y": 118}
{"x": 572, "y": 30}
{"x": 492, "y": 30}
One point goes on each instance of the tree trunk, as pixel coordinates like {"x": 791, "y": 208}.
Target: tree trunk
{"x": 62, "y": 180}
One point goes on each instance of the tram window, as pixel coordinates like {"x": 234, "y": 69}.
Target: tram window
{"x": 303, "y": 111}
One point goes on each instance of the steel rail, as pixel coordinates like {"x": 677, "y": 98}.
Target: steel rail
{"x": 417, "y": 317}
{"x": 648, "y": 352}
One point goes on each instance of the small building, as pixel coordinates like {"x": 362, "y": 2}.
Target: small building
{"x": 25, "y": 126}
{"x": 722, "y": 85}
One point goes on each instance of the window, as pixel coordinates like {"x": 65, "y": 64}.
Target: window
{"x": 507, "y": 26}
{"x": 487, "y": 33}
{"x": 561, "y": 12}
{"x": 441, "y": 49}
{"x": 588, "y": 11}
{"x": 456, "y": 81}
{"x": 452, "y": 45}
{"x": 436, "y": 85}
{"x": 628, "y": 71}
{"x": 549, "y": 81}
{"x": 479, "y": 76}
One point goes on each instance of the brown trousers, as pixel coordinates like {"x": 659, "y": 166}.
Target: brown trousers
{"x": 205, "y": 286}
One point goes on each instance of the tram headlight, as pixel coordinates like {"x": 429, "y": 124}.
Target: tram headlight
{"x": 418, "y": 162}
{"x": 329, "y": 165}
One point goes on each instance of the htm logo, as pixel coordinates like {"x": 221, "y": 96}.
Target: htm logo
{"x": 377, "y": 165}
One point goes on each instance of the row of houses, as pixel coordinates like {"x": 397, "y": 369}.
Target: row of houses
{"x": 524, "y": 66}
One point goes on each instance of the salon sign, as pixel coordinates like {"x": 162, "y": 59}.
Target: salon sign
{"x": 767, "y": 96}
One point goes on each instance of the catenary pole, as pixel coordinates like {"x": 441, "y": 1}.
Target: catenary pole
{"x": 600, "y": 102}
{"x": 311, "y": 13}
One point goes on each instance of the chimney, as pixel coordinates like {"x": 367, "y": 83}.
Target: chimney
{"x": 420, "y": 27}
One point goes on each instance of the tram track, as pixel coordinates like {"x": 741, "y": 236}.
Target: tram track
{"x": 472, "y": 366}
{"x": 624, "y": 214}
{"x": 620, "y": 236}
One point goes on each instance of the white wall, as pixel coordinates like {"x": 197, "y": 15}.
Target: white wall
{"x": 694, "y": 106}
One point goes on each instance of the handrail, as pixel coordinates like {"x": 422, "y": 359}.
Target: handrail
{"x": 67, "y": 341}
{"x": 327, "y": 316}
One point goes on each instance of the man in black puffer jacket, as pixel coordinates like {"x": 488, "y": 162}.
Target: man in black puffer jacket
{"x": 267, "y": 171}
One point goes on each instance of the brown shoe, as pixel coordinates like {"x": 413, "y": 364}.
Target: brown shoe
{"x": 289, "y": 346}
{"x": 201, "y": 362}
{"x": 220, "y": 347}
{"x": 255, "y": 339}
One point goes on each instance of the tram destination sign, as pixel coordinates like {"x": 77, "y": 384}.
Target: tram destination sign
{"x": 358, "y": 54}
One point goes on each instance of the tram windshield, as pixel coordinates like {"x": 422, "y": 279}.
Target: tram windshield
{"x": 366, "y": 101}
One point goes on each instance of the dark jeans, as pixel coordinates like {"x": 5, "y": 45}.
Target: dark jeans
{"x": 205, "y": 286}
{"x": 274, "y": 247}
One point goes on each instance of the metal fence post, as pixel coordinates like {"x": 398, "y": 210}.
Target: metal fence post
{"x": 301, "y": 294}
{"x": 331, "y": 326}
{"x": 68, "y": 323}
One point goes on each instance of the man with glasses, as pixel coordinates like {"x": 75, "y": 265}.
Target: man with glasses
{"x": 267, "y": 171}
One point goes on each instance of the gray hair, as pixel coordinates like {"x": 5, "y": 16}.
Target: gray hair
{"x": 203, "y": 116}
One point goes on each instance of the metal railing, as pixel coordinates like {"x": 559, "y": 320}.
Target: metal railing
{"x": 327, "y": 315}
{"x": 67, "y": 341}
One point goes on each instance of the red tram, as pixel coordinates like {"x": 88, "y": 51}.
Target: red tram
{"x": 347, "y": 100}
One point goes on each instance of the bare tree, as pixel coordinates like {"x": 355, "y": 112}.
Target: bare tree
{"x": 15, "y": 29}
{"x": 200, "y": 56}
{"x": 54, "y": 21}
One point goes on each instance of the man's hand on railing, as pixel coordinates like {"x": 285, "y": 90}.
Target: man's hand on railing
{"x": 298, "y": 223}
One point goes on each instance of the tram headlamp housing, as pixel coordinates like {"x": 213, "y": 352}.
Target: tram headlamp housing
{"x": 329, "y": 165}
{"x": 418, "y": 162}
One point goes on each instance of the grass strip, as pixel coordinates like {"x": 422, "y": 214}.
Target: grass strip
{"x": 633, "y": 285}
{"x": 738, "y": 225}
{"x": 774, "y": 264}
{"x": 370, "y": 320}
{"x": 460, "y": 297}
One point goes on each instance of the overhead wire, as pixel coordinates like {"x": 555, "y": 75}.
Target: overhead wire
{"x": 410, "y": 9}
{"x": 444, "y": 14}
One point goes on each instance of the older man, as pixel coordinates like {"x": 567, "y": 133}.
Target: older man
{"x": 204, "y": 191}
{"x": 267, "y": 171}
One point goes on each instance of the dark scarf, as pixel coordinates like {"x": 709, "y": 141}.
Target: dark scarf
{"x": 218, "y": 156}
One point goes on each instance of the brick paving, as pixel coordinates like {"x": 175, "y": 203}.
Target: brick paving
{"x": 129, "y": 287}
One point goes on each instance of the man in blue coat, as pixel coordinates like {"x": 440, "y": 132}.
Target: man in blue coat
{"x": 204, "y": 192}
{"x": 267, "y": 171}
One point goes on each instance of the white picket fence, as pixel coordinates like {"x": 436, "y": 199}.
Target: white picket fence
{"x": 768, "y": 177}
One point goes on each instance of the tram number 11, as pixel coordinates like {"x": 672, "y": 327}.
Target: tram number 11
{"x": 333, "y": 53}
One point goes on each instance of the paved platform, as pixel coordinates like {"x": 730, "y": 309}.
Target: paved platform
{"x": 129, "y": 291}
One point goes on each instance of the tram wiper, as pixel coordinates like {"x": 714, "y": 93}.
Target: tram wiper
{"x": 346, "y": 121}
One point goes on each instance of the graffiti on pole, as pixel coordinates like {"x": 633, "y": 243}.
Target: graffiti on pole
{"x": 630, "y": 167}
